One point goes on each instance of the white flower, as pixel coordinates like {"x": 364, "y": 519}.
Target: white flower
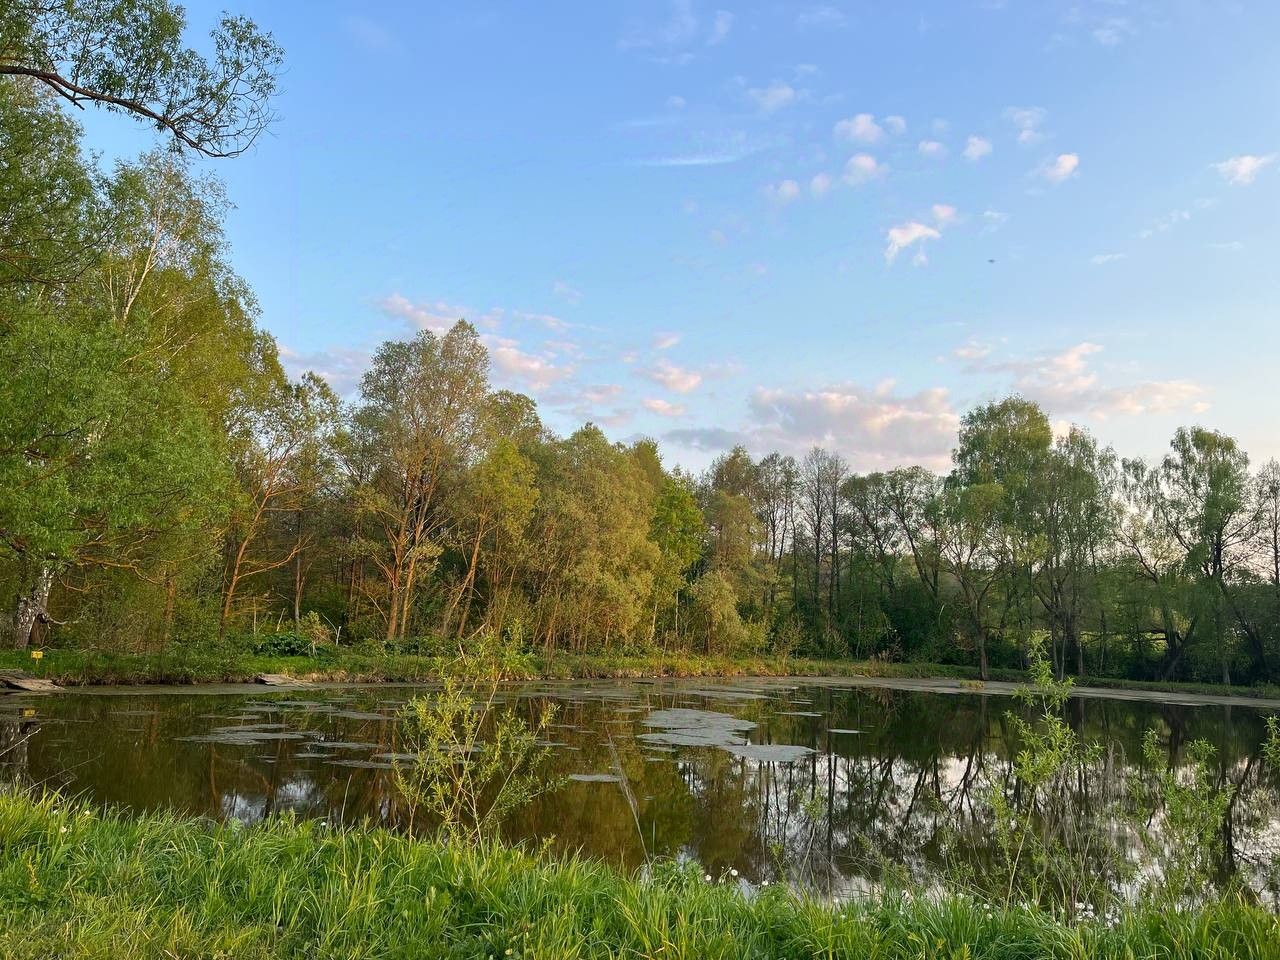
{"x": 733, "y": 872}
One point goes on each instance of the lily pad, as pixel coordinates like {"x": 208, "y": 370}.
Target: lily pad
{"x": 769, "y": 752}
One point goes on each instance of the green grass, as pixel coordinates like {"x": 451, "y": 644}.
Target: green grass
{"x": 182, "y": 664}
{"x": 206, "y": 664}
{"x": 75, "y": 882}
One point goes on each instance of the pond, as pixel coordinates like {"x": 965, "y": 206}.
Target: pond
{"x": 817, "y": 783}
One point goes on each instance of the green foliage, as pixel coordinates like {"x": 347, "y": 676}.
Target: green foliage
{"x": 1043, "y": 841}
{"x": 127, "y": 56}
{"x": 466, "y": 764}
{"x": 311, "y": 639}
{"x": 1180, "y": 812}
{"x": 159, "y": 472}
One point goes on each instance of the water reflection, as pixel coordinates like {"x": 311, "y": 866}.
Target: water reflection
{"x": 814, "y": 784}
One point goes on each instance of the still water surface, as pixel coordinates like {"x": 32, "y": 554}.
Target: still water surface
{"x": 810, "y": 782}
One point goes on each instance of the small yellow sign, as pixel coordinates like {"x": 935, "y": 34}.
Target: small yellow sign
{"x": 37, "y": 654}
{"x": 28, "y": 711}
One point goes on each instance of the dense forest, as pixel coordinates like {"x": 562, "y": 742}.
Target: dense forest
{"x": 163, "y": 481}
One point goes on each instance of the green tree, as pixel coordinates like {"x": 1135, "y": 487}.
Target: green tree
{"x": 423, "y": 404}
{"x": 128, "y": 56}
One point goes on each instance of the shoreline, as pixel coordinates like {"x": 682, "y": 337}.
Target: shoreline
{"x": 198, "y": 671}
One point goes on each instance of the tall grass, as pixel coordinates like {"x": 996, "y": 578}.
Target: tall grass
{"x": 75, "y": 882}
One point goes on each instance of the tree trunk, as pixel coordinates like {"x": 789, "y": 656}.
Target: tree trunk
{"x": 32, "y": 607}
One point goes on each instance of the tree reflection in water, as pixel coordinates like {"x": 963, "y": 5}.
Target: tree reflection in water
{"x": 890, "y": 775}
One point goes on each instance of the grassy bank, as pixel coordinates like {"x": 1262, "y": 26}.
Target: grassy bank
{"x": 208, "y": 664}
{"x": 79, "y": 883}
{"x": 180, "y": 665}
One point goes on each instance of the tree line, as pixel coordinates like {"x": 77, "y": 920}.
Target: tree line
{"x": 162, "y": 480}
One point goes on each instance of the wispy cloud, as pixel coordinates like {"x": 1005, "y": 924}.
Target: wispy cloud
{"x": 1065, "y": 382}
{"x": 709, "y": 158}
{"x": 1028, "y": 121}
{"x": 773, "y": 97}
{"x": 436, "y": 316}
{"x": 674, "y": 378}
{"x": 1112, "y": 31}
{"x": 721, "y": 24}
{"x": 567, "y": 292}
{"x": 821, "y": 15}
{"x": 530, "y": 371}
{"x": 663, "y": 408}
{"x": 1243, "y": 170}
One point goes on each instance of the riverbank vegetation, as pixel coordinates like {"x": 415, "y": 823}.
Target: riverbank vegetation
{"x": 80, "y": 882}
{"x": 166, "y": 483}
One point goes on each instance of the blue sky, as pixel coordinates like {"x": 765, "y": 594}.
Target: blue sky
{"x": 783, "y": 224}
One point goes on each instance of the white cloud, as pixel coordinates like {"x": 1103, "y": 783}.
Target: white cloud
{"x": 820, "y": 184}
{"x": 1100, "y": 258}
{"x": 663, "y": 407}
{"x": 437, "y": 316}
{"x": 862, "y": 167}
{"x": 1061, "y": 169}
{"x": 528, "y": 370}
{"x": 676, "y": 102}
{"x": 665, "y": 341}
{"x": 721, "y": 24}
{"x": 1065, "y": 383}
{"x": 1028, "y": 121}
{"x": 897, "y": 125}
{"x": 566, "y": 291}
{"x": 862, "y": 127}
{"x": 1243, "y": 170}
{"x": 906, "y": 235}
{"x": 783, "y": 192}
{"x": 773, "y": 97}
{"x": 675, "y": 379}
{"x": 874, "y": 428}
{"x": 944, "y": 214}
{"x": 976, "y": 148}
{"x": 932, "y": 148}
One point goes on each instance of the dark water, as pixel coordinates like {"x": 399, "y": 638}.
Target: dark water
{"x": 807, "y": 782}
